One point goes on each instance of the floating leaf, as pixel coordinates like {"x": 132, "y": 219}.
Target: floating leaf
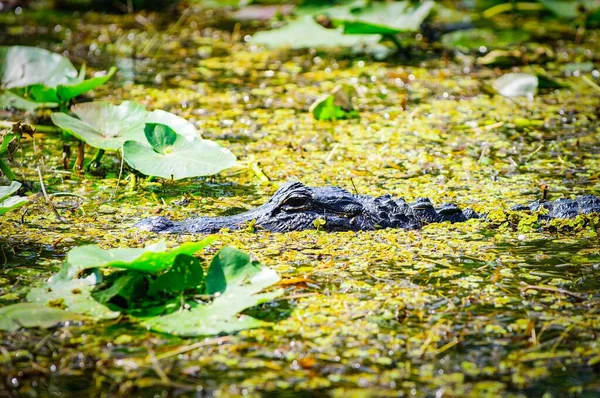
{"x": 385, "y": 18}
{"x": 244, "y": 280}
{"x": 516, "y": 85}
{"x": 31, "y": 315}
{"x": 151, "y": 259}
{"x": 107, "y": 126}
{"x": 186, "y": 273}
{"x": 44, "y": 76}
{"x": 335, "y": 106}
{"x": 171, "y": 155}
{"x": 10, "y": 203}
{"x": 474, "y": 39}
{"x": 9, "y": 99}
{"x": 104, "y": 125}
{"x": 571, "y": 9}
{"x": 75, "y": 295}
{"x": 306, "y": 33}
{"x": 22, "y": 66}
{"x": 128, "y": 285}
{"x": 6, "y": 191}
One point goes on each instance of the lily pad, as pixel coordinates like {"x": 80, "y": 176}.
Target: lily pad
{"x": 22, "y": 66}
{"x": 306, "y": 33}
{"x": 385, "y": 18}
{"x": 104, "y": 125}
{"x": 31, "y": 315}
{"x": 244, "y": 279}
{"x": 186, "y": 273}
{"x": 44, "y": 76}
{"x": 6, "y": 191}
{"x": 170, "y": 155}
{"x": 474, "y": 39}
{"x": 8, "y": 203}
{"x": 516, "y": 85}
{"x": 571, "y": 9}
{"x": 74, "y": 295}
{"x": 151, "y": 259}
{"x": 9, "y": 99}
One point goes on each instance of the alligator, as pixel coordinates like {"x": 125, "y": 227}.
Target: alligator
{"x": 296, "y": 207}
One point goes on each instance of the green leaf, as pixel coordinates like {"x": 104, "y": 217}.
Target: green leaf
{"x": 6, "y": 191}
{"x": 473, "y": 39}
{"x": 11, "y": 203}
{"x": 152, "y": 259}
{"x": 244, "y": 280}
{"x": 516, "y": 85}
{"x": 186, "y": 273}
{"x": 306, "y": 33}
{"x": 335, "y": 106}
{"x": 161, "y": 137}
{"x": 74, "y": 295}
{"x": 104, "y": 125}
{"x": 31, "y": 315}
{"x": 385, "y": 18}
{"x": 66, "y": 92}
{"x": 571, "y": 9}
{"x": 9, "y": 99}
{"x": 22, "y": 66}
{"x": 184, "y": 158}
{"x": 178, "y": 124}
{"x": 129, "y": 286}
{"x": 226, "y": 266}
{"x": 45, "y": 76}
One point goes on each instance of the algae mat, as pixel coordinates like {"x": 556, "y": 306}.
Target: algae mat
{"x": 483, "y": 308}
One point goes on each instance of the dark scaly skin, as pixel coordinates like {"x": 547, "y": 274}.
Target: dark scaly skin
{"x": 296, "y": 207}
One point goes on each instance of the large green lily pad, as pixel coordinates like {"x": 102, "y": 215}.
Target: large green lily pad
{"x": 170, "y": 155}
{"x": 239, "y": 282}
{"x": 385, "y": 18}
{"x": 43, "y": 76}
{"x": 32, "y": 315}
{"x": 306, "y": 33}
{"x": 151, "y": 259}
{"x": 104, "y": 125}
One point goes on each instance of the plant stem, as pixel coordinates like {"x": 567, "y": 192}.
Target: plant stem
{"x": 95, "y": 162}
{"x": 80, "y": 157}
{"x": 396, "y": 42}
{"x": 7, "y": 171}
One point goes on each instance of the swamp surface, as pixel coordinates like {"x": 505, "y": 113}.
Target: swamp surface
{"x": 504, "y": 306}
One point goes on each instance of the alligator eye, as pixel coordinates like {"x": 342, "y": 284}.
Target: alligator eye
{"x": 296, "y": 201}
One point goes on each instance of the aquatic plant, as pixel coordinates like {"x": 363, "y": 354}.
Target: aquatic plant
{"x": 163, "y": 290}
{"x": 8, "y": 202}
{"x": 40, "y": 77}
{"x": 156, "y": 143}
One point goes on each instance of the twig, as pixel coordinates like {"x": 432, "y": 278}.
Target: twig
{"x": 156, "y": 365}
{"x": 330, "y": 155}
{"x": 591, "y": 83}
{"x": 532, "y": 154}
{"x": 191, "y": 347}
{"x": 48, "y": 200}
{"x": 120, "y": 173}
{"x": 577, "y": 296}
{"x": 354, "y": 186}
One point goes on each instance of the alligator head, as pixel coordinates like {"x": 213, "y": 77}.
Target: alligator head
{"x": 296, "y": 207}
